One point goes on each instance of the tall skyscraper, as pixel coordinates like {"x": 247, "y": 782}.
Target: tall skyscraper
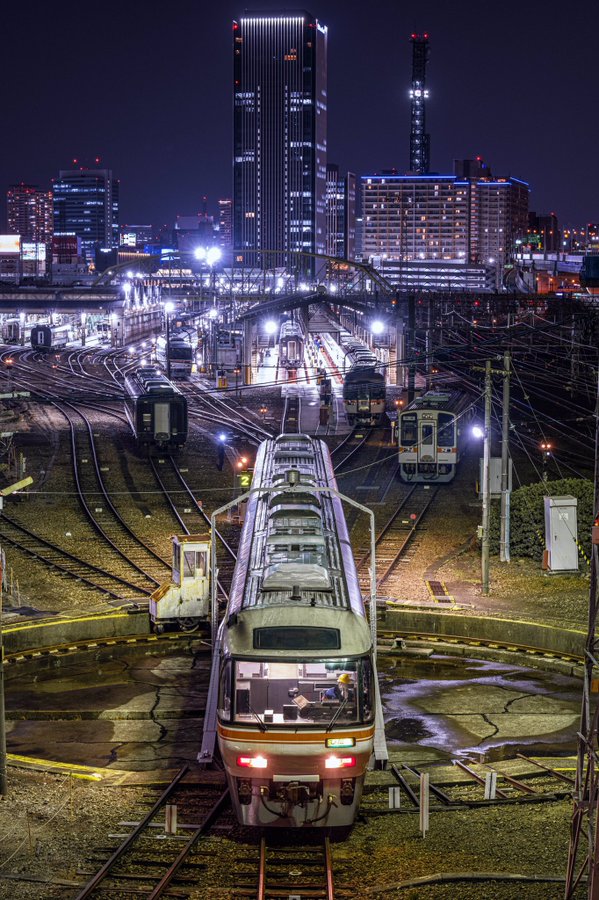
{"x": 29, "y": 213}
{"x": 280, "y": 139}
{"x": 86, "y": 203}
{"x": 225, "y": 224}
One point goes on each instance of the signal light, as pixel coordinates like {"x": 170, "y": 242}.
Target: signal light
{"x": 339, "y": 762}
{"x": 252, "y": 762}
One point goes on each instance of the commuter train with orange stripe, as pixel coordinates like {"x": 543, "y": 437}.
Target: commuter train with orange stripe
{"x": 432, "y": 433}
{"x": 297, "y": 688}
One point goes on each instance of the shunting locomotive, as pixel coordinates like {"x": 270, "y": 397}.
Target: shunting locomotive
{"x": 431, "y": 434}
{"x": 156, "y": 410}
{"x": 297, "y": 690}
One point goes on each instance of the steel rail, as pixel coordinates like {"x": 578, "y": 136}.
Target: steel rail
{"x": 101, "y": 874}
{"x": 70, "y": 556}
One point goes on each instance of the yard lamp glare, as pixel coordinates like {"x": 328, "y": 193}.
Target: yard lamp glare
{"x": 213, "y": 312}
{"x": 478, "y": 431}
{"x": 222, "y": 438}
{"x": 169, "y": 307}
{"x": 270, "y": 326}
{"x": 200, "y": 253}
{"x": 213, "y": 255}
{"x": 377, "y": 327}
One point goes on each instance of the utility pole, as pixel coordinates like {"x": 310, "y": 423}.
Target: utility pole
{"x": 486, "y": 481}
{"x": 504, "y": 539}
{"x": 585, "y": 816}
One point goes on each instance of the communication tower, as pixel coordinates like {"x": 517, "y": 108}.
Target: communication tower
{"x": 419, "y": 140}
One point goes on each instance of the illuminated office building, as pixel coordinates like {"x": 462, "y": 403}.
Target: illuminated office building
{"x": 341, "y": 213}
{"x": 280, "y": 139}
{"x": 86, "y": 203}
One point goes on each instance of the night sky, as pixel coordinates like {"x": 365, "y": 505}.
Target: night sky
{"x": 147, "y": 87}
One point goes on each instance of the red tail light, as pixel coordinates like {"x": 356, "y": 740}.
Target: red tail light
{"x": 252, "y": 762}
{"x": 339, "y": 762}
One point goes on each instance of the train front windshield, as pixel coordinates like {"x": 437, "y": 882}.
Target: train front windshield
{"x": 272, "y": 692}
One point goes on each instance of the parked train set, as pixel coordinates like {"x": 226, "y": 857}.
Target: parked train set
{"x": 431, "y": 434}
{"x": 291, "y": 345}
{"x": 156, "y": 410}
{"x": 364, "y": 387}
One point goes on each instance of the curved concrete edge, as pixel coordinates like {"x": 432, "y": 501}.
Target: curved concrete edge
{"x": 36, "y": 635}
{"x": 548, "y": 638}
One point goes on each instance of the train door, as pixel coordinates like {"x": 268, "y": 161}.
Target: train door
{"x": 162, "y": 420}
{"x": 427, "y": 441}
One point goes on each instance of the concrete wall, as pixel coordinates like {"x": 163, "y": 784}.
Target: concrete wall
{"x": 561, "y": 641}
{"x": 53, "y": 632}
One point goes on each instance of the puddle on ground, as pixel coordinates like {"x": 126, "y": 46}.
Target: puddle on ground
{"x": 457, "y": 707}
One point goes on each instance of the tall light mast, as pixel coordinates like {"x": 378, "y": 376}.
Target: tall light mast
{"x": 419, "y": 140}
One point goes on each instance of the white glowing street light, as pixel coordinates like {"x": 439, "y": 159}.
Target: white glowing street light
{"x": 377, "y": 327}
{"x": 270, "y": 326}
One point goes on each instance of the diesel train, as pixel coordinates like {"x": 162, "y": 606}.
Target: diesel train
{"x": 364, "y": 389}
{"x": 431, "y": 434}
{"x": 297, "y": 687}
{"x": 156, "y": 410}
{"x": 180, "y": 353}
{"x": 291, "y": 345}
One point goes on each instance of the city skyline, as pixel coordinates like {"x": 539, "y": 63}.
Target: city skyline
{"x": 153, "y": 98}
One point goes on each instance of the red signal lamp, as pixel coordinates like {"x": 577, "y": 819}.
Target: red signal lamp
{"x": 595, "y": 531}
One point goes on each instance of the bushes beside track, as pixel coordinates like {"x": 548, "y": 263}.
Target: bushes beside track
{"x": 527, "y": 517}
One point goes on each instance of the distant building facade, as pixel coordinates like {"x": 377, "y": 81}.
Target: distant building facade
{"x": 135, "y": 237}
{"x": 30, "y": 213}
{"x": 470, "y": 218}
{"x": 225, "y": 224}
{"x": 279, "y": 138}
{"x": 340, "y": 213}
{"x": 86, "y": 203}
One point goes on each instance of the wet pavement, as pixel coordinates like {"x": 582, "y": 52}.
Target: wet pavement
{"x": 459, "y": 707}
{"x": 131, "y": 710}
{"x": 128, "y": 711}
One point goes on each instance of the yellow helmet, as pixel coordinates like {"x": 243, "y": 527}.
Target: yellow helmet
{"x": 344, "y": 678}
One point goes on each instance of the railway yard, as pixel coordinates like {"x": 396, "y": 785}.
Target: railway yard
{"x": 104, "y": 726}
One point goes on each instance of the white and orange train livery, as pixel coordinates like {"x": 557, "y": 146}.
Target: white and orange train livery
{"x": 296, "y": 737}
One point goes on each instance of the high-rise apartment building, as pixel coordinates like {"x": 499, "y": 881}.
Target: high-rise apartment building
{"x": 86, "y": 204}
{"x": 470, "y": 219}
{"x": 341, "y": 213}
{"x": 280, "y": 139}
{"x": 29, "y": 213}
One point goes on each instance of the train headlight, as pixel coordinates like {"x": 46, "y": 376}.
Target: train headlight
{"x": 339, "y": 762}
{"x": 340, "y": 743}
{"x": 252, "y": 762}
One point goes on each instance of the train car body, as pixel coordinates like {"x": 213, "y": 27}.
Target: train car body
{"x": 50, "y": 337}
{"x": 364, "y": 388}
{"x": 291, "y": 345}
{"x": 156, "y": 410}
{"x": 295, "y": 747}
{"x": 431, "y": 434}
{"x": 180, "y": 352}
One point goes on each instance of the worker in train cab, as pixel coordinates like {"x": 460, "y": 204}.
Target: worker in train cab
{"x": 339, "y": 690}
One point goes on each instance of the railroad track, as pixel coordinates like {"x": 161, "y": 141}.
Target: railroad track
{"x": 177, "y": 492}
{"x": 298, "y": 871}
{"x": 147, "y": 866}
{"x": 292, "y": 413}
{"x": 396, "y": 534}
{"x": 121, "y": 590}
{"x": 459, "y": 784}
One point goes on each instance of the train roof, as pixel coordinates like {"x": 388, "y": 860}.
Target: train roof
{"x": 449, "y": 401}
{"x": 294, "y": 551}
{"x": 151, "y": 383}
{"x": 290, "y": 328}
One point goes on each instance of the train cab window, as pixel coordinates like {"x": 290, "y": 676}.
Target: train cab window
{"x": 224, "y": 693}
{"x": 446, "y": 430}
{"x": 275, "y": 693}
{"x": 195, "y": 563}
{"x": 409, "y": 434}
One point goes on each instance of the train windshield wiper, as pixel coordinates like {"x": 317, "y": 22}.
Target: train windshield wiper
{"x": 257, "y": 717}
{"x": 337, "y": 714}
